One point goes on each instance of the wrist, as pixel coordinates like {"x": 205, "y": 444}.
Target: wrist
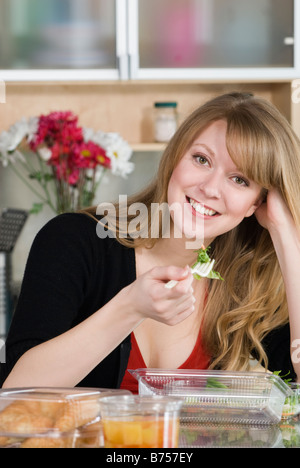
{"x": 286, "y": 242}
{"x": 130, "y": 307}
{"x": 285, "y": 235}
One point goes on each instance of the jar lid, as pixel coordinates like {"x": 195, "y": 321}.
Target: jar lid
{"x": 165, "y": 104}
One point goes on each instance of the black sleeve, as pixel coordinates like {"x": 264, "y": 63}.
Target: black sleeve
{"x": 277, "y": 347}
{"x": 56, "y": 282}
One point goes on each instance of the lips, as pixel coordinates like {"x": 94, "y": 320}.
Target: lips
{"x": 202, "y": 209}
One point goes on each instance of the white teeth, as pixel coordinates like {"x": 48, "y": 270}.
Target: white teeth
{"x": 201, "y": 209}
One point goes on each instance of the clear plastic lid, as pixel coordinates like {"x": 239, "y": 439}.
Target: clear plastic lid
{"x": 140, "y": 405}
{"x": 25, "y": 412}
{"x": 219, "y": 396}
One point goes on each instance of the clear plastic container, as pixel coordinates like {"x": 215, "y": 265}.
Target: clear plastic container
{"x": 292, "y": 403}
{"x": 137, "y": 421}
{"x": 290, "y": 433}
{"x": 52, "y": 417}
{"x": 219, "y": 396}
{"x": 204, "y": 435}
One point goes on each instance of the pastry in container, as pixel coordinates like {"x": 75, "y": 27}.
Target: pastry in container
{"x": 49, "y": 417}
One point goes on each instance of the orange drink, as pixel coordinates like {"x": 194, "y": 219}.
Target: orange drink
{"x": 140, "y": 422}
{"x": 141, "y": 433}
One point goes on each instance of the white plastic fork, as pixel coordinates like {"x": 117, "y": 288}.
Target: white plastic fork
{"x": 201, "y": 269}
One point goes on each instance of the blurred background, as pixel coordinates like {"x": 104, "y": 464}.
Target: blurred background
{"x": 109, "y": 61}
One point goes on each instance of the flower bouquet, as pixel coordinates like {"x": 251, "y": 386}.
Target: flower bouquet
{"x": 63, "y": 162}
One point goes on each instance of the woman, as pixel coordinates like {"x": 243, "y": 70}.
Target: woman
{"x": 91, "y": 307}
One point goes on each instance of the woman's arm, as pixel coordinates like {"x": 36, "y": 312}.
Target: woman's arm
{"x": 66, "y": 359}
{"x": 79, "y": 302}
{"x": 275, "y": 216}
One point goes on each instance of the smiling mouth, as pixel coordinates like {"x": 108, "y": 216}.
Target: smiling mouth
{"x": 201, "y": 209}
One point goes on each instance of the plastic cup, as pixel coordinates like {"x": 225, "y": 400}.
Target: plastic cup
{"x": 135, "y": 421}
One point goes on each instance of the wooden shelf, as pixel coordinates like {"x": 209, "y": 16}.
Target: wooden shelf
{"x": 147, "y": 147}
{"x": 127, "y": 107}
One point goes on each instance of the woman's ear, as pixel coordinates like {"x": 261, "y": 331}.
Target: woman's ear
{"x": 253, "y": 208}
{"x": 258, "y": 203}
{"x": 263, "y": 196}
{"x": 262, "y": 199}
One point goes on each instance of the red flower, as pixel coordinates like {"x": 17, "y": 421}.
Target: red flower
{"x": 69, "y": 153}
{"x": 90, "y": 155}
{"x": 57, "y": 128}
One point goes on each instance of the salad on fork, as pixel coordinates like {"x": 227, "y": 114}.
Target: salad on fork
{"x": 203, "y": 268}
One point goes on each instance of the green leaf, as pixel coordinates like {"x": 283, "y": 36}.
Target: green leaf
{"x": 35, "y": 175}
{"x": 214, "y": 383}
{"x": 283, "y": 377}
{"x": 215, "y": 275}
{"x": 203, "y": 257}
{"x": 47, "y": 177}
{"x": 36, "y": 208}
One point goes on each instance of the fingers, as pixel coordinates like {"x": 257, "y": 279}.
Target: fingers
{"x": 169, "y": 306}
{"x": 175, "y": 305}
{"x": 182, "y": 292}
{"x": 175, "y": 320}
{"x": 170, "y": 273}
{"x": 182, "y": 287}
{"x": 171, "y": 312}
{"x": 182, "y": 276}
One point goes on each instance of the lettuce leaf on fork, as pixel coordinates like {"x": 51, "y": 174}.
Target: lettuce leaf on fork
{"x": 203, "y": 257}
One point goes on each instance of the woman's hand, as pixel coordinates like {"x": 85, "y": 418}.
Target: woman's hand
{"x": 273, "y": 214}
{"x": 151, "y": 299}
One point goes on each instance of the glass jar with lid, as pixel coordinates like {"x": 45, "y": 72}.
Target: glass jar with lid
{"x": 165, "y": 123}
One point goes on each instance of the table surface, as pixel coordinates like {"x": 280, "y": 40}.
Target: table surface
{"x": 286, "y": 434}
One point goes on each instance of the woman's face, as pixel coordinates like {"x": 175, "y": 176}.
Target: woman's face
{"x": 209, "y": 194}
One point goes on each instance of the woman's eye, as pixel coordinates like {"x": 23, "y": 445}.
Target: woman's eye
{"x": 240, "y": 181}
{"x": 200, "y": 159}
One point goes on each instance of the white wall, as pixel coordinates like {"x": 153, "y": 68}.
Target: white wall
{"x": 14, "y": 194}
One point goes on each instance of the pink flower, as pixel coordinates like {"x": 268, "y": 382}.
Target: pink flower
{"x": 60, "y": 133}
{"x": 90, "y": 155}
{"x": 57, "y": 128}
{"x": 72, "y": 155}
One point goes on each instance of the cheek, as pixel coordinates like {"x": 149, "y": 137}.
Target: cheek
{"x": 241, "y": 208}
{"x": 179, "y": 181}
{"x": 174, "y": 186}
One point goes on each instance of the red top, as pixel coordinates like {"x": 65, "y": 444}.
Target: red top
{"x": 198, "y": 359}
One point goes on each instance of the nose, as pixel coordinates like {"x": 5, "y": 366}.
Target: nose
{"x": 211, "y": 185}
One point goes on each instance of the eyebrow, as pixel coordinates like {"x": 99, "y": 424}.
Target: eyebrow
{"x": 209, "y": 150}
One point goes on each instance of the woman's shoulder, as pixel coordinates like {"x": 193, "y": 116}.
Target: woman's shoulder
{"x": 69, "y": 221}
{"x": 76, "y": 228}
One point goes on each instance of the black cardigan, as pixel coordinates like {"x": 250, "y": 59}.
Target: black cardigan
{"x": 70, "y": 274}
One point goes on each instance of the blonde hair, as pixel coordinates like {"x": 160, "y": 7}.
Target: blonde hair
{"x": 241, "y": 310}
